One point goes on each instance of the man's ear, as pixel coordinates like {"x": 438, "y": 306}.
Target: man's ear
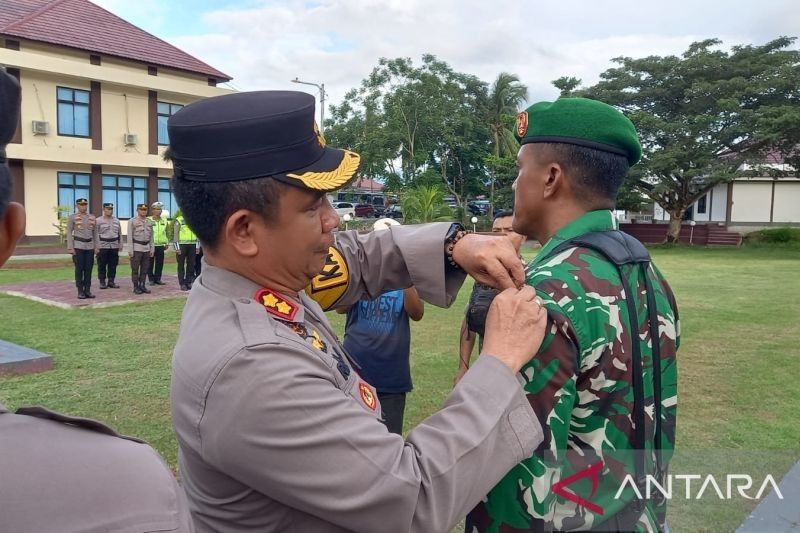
{"x": 12, "y": 226}
{"x": 240, "y": 230}
{"x": 555, "y": 180}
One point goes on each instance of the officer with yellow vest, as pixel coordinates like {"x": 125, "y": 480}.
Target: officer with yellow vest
{"x": 185, "y": 251}
{"x": 160, "y": 241}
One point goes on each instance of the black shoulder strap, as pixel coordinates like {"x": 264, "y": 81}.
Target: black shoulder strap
{"x": 619, "y": 248}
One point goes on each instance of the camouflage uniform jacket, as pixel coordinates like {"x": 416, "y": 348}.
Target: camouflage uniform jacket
{"x": 580, "y": 386}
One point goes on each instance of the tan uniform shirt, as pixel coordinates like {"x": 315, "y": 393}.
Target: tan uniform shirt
{"x": 139, "y": 229}
{"x": 108, "y": 233}
{"x": 80, "y": 231}
{"x": 66, "y": 474}
{"x": 277, "y": 432}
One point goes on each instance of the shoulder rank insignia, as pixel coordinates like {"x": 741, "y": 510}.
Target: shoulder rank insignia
{"x": 276, "y": 305}
{"x": 330, "y": 284}
{"x": 367, "y": 395}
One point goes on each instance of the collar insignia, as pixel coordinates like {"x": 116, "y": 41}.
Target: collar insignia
{"x": 276, "y": 305}
{"x": 367, "y": 395}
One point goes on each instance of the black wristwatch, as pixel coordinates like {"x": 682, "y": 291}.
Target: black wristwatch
{"x": 455, "y": 233}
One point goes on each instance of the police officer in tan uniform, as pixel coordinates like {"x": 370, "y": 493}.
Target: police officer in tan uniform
{"x": 140, "y": 248}
{"x": 276, "y": 429}
{"x": 66, "y": 474}
{"x": 109, "y": 243}
{"x": 81, "y": 245}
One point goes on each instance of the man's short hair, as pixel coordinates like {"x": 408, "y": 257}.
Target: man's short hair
{"x": 502, "y": 213}
{"x": 206, "y": 206}
{"x": 595, "y": 175}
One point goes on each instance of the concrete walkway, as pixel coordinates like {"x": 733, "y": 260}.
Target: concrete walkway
{"x": 774, "y": 514}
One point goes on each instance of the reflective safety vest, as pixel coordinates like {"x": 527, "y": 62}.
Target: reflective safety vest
{"x": 185, "y": 234}
{"x": 159, "y": 231}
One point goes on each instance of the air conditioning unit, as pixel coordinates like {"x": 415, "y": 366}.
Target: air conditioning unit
{"x": 130, "y": 139}
{"x": 40, "y": 127}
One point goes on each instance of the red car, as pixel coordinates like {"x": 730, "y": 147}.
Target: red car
{"x": 365, "y": 210}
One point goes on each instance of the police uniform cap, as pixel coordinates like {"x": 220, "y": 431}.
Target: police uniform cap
{"x": 141, "y": 206}
{"x": 157, "y": 205}
{"x": 81, "y": 201}
{"x": 258, "y": 134}
{"x": 582, "y": 122}
{"x": 108, "y": 204}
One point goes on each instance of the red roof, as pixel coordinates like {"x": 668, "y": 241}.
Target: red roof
{"x": 367, "y": 184}
{"x": 83, "y": 25}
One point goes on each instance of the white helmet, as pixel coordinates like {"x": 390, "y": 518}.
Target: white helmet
{"x": 384, "y": 223}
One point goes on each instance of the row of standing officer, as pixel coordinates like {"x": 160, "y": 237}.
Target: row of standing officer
{"x": 148, "y": 238}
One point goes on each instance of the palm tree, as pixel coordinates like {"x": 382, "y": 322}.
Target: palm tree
{"x": 507, "y": 95}
{"x": 425, "y": 203}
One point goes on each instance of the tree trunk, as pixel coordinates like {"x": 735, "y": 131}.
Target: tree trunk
{"x": 674, "y": 230}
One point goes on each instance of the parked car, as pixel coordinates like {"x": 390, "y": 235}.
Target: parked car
{"x": 393, "y": 211}
{"x": 344, "y": 208}
{"x": 365, "y": 210}
{"x": 478, "y": 207}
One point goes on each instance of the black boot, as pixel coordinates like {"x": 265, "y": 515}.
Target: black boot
{"x": 88, "y": 292}
{"x": 158, "y": 281}
{"x": 103, "y": 284}
{"x": 112, "y": 284}
{"x": 137, "y": 289}
{"x": 81, "y": 294}
{"x": 144, "y": 288}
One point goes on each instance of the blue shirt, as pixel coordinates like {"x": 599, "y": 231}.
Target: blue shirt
{"x": 378, "y": 337}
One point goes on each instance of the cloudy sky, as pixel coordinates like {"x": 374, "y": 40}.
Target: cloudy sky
{"x": 263, "y": 44}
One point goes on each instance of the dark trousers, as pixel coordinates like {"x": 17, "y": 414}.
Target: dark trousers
{"x": 140, "y": 262}
{"x": 186, "y": 261}
{"x": 156, "y": 264}
{"x": 84, "y": 262}
{"x": 198, "y": 263}
{"x": 393, "y": 407}
{"x": 107, "y": 261}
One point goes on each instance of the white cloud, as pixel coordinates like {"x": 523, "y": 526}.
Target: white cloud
{"x": 338, "y": 42}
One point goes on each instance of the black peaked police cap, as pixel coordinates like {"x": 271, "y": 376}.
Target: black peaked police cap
{"x": 258, "y": 134}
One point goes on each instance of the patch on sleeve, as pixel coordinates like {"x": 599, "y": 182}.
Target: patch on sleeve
{"x": 276, "y": 305}
{"x": 367, "y": 395}
{"x": 330, "y": 284}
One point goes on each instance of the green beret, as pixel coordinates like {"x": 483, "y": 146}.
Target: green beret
{"x": 582, "y": 122}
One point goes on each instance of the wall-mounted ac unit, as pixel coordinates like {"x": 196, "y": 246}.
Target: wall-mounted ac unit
{"x": 130, "y": 139}
{"x": 40, "y": 127}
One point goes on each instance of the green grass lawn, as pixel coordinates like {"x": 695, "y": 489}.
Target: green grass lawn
{"x": 739, "y": 393}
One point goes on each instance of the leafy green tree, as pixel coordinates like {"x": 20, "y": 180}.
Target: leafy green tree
{"x": 704, "y": 117}
{"x": 506, "y": 96}
{"x": 425, "y": 203}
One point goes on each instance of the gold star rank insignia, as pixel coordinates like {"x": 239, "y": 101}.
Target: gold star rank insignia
{"x": 317, "y": 342}
{"x": 276, "y": 304}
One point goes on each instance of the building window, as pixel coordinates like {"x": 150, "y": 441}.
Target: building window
{"x": 125, "y": 192}
{"x": 166, "y": 196}
{"x": 72, "y": 186}
{"x": 164, "y": 111}
{"x": 73, "y": 112}
{"x": 701, "y": 205}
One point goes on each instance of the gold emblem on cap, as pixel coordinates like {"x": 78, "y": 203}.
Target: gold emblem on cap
{"x": 326, "y": 181}
{"x": 522, "y": 124}
{"x": 320, "y": 136}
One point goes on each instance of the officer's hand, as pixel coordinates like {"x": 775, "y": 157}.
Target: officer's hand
{"x": 152, "y": 254}
{"x": 490, "y": 260}
{"x": 515, "y": 326}
{"x": 97, "y": 251}
{"x": 70, "y": 251}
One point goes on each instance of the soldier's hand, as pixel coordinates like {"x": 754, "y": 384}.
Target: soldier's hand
{"x": 70, "y": 251}
{"x": 490, "y": 260}
{"x": 515, "y": 327}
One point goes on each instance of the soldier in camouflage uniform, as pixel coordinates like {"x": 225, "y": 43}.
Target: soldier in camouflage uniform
{"x": 596, "y": 394}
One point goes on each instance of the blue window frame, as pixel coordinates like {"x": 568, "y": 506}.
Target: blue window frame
{"x": 166, "y": 196}
{"x": 72, "y": 186}
{"x": 73, "y": 112}
{"x": 164, "y": 111}
{"x": 125, "y": 192}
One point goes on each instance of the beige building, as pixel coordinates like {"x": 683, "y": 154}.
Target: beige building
{"x": 96, "y": 95}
